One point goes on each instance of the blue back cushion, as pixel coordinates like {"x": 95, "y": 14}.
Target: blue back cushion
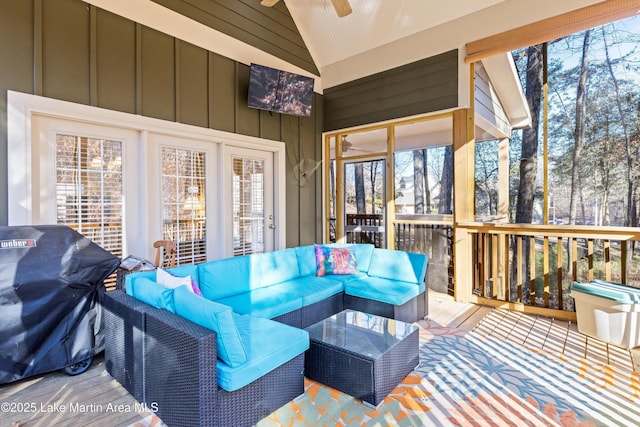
{"x": 147, "y": 290}
{"x": 306, "y": 260}
{"x": 398, "y": 265}
{"x": 277, "y": 267}
{"x": 231, "y": 276}
{"x": 225, "y": 277}
{"x": 214, "y": 316}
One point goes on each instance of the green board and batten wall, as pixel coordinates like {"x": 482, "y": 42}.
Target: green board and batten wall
{"x": 73, "y": 51}
{"x": 420, "y": 87}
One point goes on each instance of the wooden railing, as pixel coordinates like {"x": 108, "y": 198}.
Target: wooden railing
{"x": 433, "y": 236}
{"x": 365, "y": 228}
{"x": 531, "y": 267}
{"x": 522, "y": 267}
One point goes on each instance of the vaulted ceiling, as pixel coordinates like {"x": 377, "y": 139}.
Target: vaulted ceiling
{"x": 378, "y": 35}
{"x": 383, "y": 34}
{"x": 373, "y": 23}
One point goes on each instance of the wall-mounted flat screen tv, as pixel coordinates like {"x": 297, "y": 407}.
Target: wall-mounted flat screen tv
{"x": 280, "y": 91}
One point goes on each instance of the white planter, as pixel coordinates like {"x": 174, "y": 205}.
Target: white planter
{"x": 608, "y": 311}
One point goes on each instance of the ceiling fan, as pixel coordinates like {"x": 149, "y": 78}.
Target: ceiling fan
{"x": 342, "y": 7}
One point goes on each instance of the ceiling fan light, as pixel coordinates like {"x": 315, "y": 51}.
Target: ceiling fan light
{"x": 346, "y": 145}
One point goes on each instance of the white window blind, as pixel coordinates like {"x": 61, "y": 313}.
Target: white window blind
{"x": 248, "y": 206}
{"x": 89, "y": 189}
{"x": 184, "y": 204}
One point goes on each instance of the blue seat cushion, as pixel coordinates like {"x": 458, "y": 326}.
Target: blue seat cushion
{"x": 147, "y": 290}
{"x": 385, "y": 290}
{"x": 266, "y": 302}
{"x": 269, "y": 344}
{"x": 346, "y": 278}
{"x": 398, "y": 265}
{"x": 311, "y": 288}
{"x": 214, "y": 316}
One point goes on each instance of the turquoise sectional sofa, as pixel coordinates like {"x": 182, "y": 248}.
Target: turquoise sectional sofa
{"x": 253, "y": 311}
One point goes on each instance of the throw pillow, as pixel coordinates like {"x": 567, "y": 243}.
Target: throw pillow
{"x": 334, "y": 260}
{"x": 168, "y": 280}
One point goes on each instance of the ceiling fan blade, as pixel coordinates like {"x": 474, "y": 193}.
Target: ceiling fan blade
{"x": 342, "y": 7}
{"x": 269, "y": 3}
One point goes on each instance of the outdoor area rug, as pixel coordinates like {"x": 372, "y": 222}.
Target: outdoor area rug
{"x": 467, "y": 379}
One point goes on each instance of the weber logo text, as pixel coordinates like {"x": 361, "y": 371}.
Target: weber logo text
{"x": 17, "y": 243}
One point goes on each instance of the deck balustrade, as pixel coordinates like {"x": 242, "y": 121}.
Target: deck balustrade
{"x": 522, "y": 267}
{"x": 530, "y": 268}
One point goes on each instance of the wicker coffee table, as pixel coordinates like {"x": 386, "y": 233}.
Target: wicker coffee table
{"x": 361, "y": 354}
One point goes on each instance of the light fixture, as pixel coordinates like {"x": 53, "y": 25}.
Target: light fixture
{"x": 346, "y": 145}
{"x": 192, "y": 204}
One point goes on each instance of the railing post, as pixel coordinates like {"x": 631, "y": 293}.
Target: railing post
{"x": 464, "y": 201}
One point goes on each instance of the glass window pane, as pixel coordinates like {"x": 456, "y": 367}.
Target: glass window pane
{"x": 184, "y": 203}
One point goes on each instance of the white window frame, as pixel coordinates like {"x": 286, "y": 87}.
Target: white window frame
{"x": 22, "y": 152}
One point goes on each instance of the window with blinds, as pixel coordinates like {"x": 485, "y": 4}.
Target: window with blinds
{"x": 248, "y": 206}
{"x": 183, "y": 203}
{"x": 89, "y": 189}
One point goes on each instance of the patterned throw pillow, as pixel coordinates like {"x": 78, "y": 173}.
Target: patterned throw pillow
{"x": 168, "y": 280}
{"x": 334, "y": 261}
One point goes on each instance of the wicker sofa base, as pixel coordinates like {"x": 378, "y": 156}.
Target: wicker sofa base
{"x": 409, "y": 312}
{"x": 169, "y": 364}
{"x": 124, "y": 321}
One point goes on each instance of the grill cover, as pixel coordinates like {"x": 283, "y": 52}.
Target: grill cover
{"x": 51, "y": 278}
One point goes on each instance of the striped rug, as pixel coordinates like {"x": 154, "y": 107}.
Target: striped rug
{"x": 467, "y": 379}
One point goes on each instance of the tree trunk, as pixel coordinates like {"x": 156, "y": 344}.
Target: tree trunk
{"x": 425, "y": 175}
{"x": 581, "y": 110}
{"x": 361, "y": 208}
{"x": 529, "y": 157}
{"x": 418, "y": 182}
{"x": 528, "y": 165}
{"x": 373, "y": 175}
{"x": 446, "y": 183}
{"x": 630, "y": 187}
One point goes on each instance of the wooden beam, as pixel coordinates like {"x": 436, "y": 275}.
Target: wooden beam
{"x": 390, "y": 188}
{"x": 552, "y": 28}
{"x": 463, "y": 201}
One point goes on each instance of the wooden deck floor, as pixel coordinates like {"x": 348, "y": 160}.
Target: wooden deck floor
{"x": 534, "y": 332}
{"x": 95, "y": 399}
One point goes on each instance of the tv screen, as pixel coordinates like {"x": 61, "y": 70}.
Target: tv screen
{"x": 280, "y": 91}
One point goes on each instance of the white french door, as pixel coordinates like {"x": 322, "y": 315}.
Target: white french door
{"x": 250, "y": 217}
{"x": 125, "y": 180}
{"x": 81, "y": 178}
{"x": 184, "y": 205}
